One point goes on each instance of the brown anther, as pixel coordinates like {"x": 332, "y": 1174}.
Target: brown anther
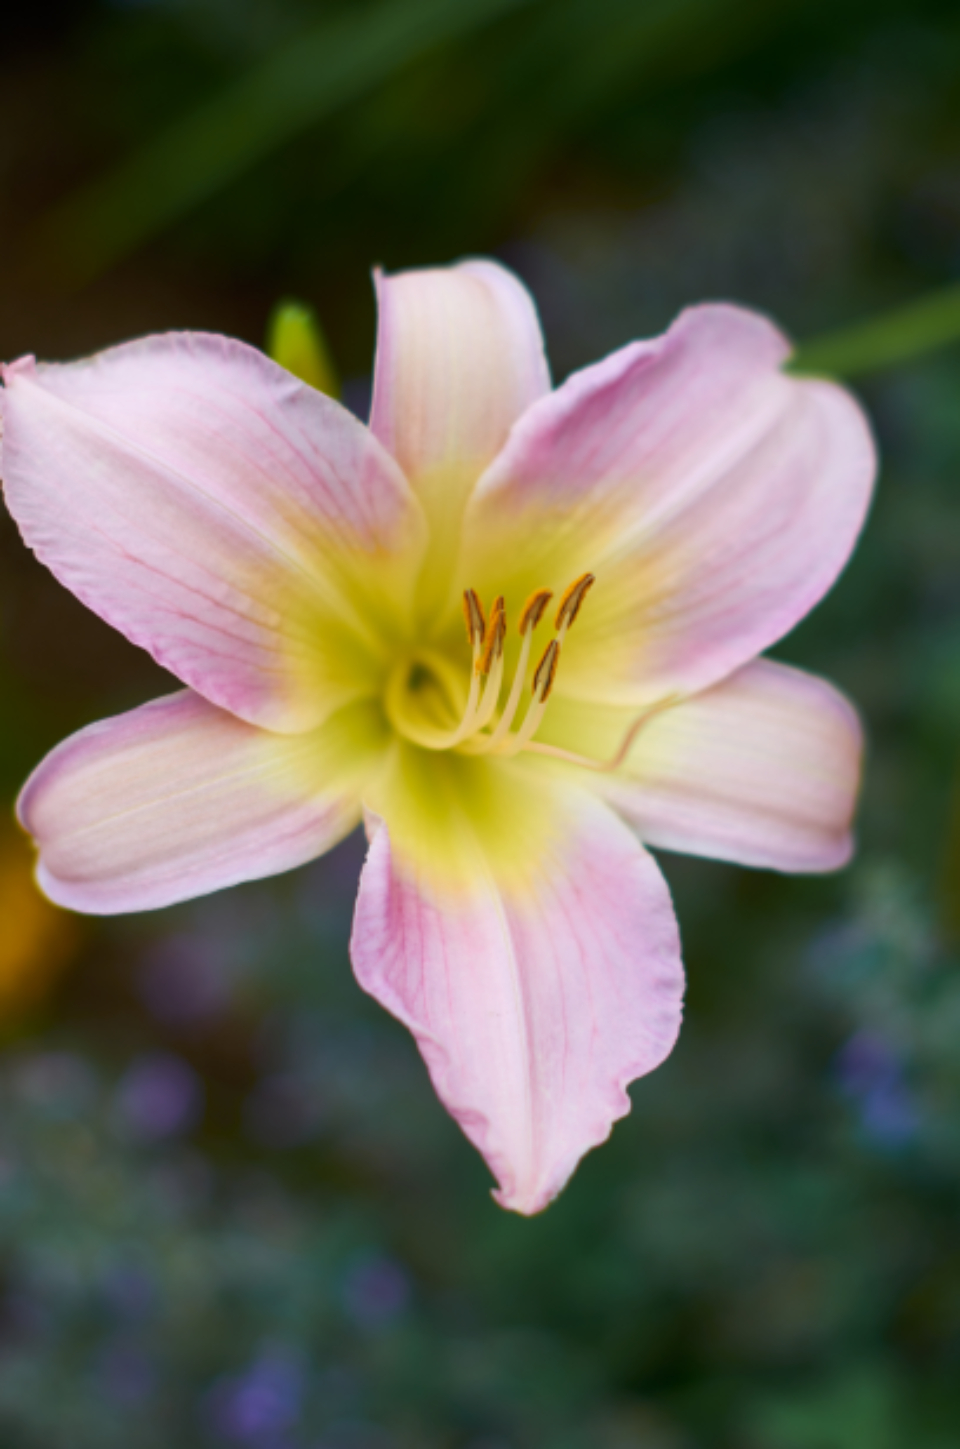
{"x": 494, "y": 636}
{"x": 572, "y": 599}
{"x": 546, "y": 671}
{"x": 473, "y": 614}
{"x": 533, "y": 609}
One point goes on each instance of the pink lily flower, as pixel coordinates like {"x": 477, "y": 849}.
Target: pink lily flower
{"x": 516, "y": 628}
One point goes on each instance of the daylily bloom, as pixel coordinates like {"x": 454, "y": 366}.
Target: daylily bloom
{"x": 516, "y": 628}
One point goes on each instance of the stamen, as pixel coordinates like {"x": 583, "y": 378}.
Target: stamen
{"x": 533, "y": 610}
{"x": 572, "y": 601}
{"x": 544, "y": 675}
{"x": 476, "y": 629}
{"x": 501, "y": 741}
{"x": 490, "y": 664}
{"x": 493, "y": 637}
{"x": 532, "y": 613}
{"x": 491, "y": 693}
{"x": 546, "y": 671}
{"x": 473, "y": 613}
{"x": 487, "y": 638}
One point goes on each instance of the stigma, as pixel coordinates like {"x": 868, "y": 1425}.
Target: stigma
{"x": 483, "y": 730}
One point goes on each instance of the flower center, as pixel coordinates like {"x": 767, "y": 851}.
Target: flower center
{"x": 426, "y": 699}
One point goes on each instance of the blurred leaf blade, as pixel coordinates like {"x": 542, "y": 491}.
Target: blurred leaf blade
{"x": 896, "y": 336}
{"x": 295, "y": 87}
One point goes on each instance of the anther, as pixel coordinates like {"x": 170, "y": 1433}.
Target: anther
{"x": 493, "y": 637}
{"x": 534, "y": 609}
{"x": 473, "y": 614}
{"x": 572, "y": 600}
{"x": 546, "y": 672}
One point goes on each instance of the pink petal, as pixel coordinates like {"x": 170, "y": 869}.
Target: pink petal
{"x": 762, "y": 769}
{"x": 459, "y": 358}
{"x": 715, "y": 498}
{"x": 537, "y": 985}
{"x": 179, "y": 798}
{"x": 245, "y": 529}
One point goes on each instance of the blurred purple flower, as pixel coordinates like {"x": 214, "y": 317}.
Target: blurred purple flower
{"x": 158, "y": 1096}
{"x": 260, "y": 1404}
{"x": 376, "y": 1292}
{"x": 871, "y": 1073}
{"x": 183, "y": 980}
{"x": 889, "y": 1115}
{"x": 131, "y": 1290}
{"x": 865, "y": 1062}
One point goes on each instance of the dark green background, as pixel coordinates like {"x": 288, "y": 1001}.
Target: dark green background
{"x": 767, "y": 1253}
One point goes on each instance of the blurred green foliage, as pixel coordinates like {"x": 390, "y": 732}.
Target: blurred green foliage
{"x": 231, "y": 1211}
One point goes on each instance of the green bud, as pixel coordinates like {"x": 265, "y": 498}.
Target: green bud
{"x": 295, "y": 339}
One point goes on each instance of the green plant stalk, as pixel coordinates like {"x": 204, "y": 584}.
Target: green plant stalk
{"x": 893, "y": 337}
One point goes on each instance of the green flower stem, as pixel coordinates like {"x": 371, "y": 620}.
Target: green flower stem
{"x": 897, "y": 336}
